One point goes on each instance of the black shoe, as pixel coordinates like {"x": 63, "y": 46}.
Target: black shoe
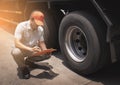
{"x": 23, "y": 72}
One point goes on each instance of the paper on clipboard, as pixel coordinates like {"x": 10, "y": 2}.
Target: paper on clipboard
{"x": 44, "y": 52}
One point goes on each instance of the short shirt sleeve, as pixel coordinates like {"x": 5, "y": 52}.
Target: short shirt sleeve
{"x": 41, "y": 31}
{"x": 18, "y": 31}
{"x": 42, "y": 37}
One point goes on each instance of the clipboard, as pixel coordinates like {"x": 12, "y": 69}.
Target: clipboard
{"x": 44, "y": 52}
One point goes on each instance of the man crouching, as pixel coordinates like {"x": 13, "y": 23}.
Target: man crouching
{"x": 28, "y": 40}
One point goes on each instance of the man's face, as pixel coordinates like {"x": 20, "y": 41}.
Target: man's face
{"x": 34, "y": 26}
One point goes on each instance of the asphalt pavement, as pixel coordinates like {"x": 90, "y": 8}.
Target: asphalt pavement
{"x": 8, "y": 70}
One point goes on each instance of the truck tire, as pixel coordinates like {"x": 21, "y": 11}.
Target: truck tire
{"x": 50, "y": 30}
{"x": 82, "y": 39}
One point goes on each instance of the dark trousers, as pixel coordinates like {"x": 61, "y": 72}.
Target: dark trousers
{"x": 21, "y": 55}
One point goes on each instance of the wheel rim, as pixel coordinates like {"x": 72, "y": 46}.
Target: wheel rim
{"x": 76, "y": 43}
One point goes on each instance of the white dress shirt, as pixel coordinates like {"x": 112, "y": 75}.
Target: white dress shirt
{"x": 27, "y": 35}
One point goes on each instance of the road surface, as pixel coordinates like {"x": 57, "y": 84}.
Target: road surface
{"x": 8, "y": 72}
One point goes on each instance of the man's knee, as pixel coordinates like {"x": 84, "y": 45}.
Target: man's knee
{"x": 16, "y": 52}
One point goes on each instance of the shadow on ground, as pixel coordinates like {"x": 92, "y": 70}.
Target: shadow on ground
{"x": 109, "y": 75}
{"x": 48, "y": 72}
{"x": 46, "y": 75}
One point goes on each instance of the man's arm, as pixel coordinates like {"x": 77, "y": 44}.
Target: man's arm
{"x": 42, "y": 45}
{"x": 18, "y": 37}
{"x": 18, "y": 44}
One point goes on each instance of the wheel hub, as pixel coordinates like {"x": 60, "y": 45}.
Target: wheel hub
{"x": 76, "y": 43}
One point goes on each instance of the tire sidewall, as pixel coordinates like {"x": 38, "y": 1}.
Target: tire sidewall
{"x": 93, "y": 48}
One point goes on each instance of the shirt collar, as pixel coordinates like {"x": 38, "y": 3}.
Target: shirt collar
{"x": 29, "y": 27}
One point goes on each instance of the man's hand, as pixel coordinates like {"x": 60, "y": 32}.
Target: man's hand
{"x": 34, "y": 49}
{"x": 43, "y": 52}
